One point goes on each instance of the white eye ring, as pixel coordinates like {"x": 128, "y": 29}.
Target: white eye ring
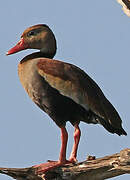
{"x": 31, "y": 33}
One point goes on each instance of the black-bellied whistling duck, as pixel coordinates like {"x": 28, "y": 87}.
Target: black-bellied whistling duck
{"x": 62, "y": 90}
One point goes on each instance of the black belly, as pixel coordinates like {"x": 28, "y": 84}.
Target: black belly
{"x": 60, "y": 108}
{"x": 64, "y": 109}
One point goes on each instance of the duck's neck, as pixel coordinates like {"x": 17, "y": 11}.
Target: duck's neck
{"x": 46, "y": 55}
{"x": 37, "y": 55}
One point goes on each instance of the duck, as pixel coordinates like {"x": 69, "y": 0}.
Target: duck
{"x": 62, "y": 90}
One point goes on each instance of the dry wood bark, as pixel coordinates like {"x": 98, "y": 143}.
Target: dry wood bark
{"x": 91, "y": 169}
{"x": 125, "y": 6}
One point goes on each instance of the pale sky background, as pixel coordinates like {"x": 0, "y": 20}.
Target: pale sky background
{"x": 93, "y": 35}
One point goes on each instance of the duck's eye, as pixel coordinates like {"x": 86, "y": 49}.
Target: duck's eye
{"x": 32, "y": 33}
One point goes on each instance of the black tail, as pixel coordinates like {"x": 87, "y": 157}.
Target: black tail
{"x": 95, "y": 119}
{"x": 111, "y": 129}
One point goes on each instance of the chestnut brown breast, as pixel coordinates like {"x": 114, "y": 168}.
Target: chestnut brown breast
{"x": 54, "y": 85}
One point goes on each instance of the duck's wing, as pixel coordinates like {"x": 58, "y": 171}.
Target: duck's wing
{"x": 74, "y": 83}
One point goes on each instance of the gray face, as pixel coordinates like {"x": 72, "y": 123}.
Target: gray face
{"x": 40, "y": 37}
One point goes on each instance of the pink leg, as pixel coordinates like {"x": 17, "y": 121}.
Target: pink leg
{"x": 77, "y": 134}
{"x": 64, "y": 140}
{"x": 62, "y": 157}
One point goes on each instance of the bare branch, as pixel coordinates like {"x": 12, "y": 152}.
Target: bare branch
{"x": 91, "y": 169}
{"x": 125, "y": 6}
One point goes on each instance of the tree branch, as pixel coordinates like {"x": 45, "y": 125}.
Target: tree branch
{"x": 125, "y": 6}
{"x": 91, "y": 169}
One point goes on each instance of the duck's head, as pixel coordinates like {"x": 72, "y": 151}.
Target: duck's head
{"x": 37, "y": 37}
